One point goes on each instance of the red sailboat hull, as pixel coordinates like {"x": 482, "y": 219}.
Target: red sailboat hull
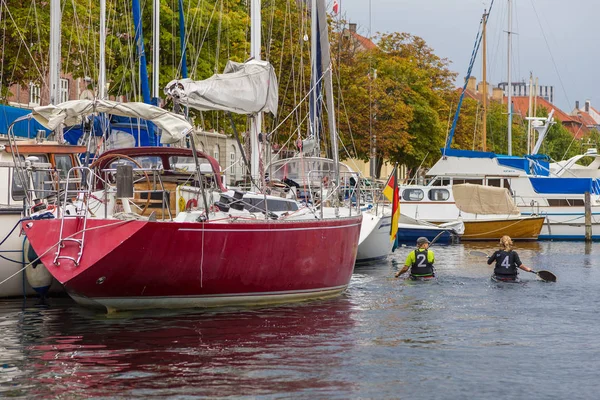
{"x": 145, "y": 264}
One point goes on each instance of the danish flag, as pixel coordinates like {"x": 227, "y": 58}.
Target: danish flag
{"x": 336, "y": 6}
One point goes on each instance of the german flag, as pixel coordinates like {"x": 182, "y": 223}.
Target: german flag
{"x": 391, "y": 193}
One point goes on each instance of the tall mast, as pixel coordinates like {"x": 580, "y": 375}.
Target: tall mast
{"x": 155, "y": 51}
{"x": 328, "y": 83}
{"x": 55, "y": 22}
{"x": 139, "y": 42}
{"x": 184, "y": 73}
{"x": 484, "y": 88}
{"x": 256, "y": 124}
{"x": 530, "y": 114}
{"x": 373, "y": 157}
{"x": 102, "y": 65}
{"x": 314, "y": 78}
{"x": 509, "y": 78}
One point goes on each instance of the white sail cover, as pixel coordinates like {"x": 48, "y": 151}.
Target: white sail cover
{"x": 479, "y": 199}
{"x": 174, "y": 127}
{"x": 242, "y": 88}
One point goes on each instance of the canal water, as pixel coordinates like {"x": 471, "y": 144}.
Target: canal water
{"x": 462, "y": 336}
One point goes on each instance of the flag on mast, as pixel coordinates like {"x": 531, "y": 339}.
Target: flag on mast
{"x": 336, "y": 6}
{"x": 391, "y": 192}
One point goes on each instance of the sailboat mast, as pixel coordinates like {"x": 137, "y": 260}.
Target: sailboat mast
{"x": 155, "y": 51}
{"x": 314, "y": 123}
{"x": 102, "y": 64}
{"x": 509, "y": 87}
{"x": 256, "y": 124}
{"x": 55, "y": 22}
{"x": 373, "y": 158}
{"x": 484, "y": 90}
{"x": 328, "y": 83}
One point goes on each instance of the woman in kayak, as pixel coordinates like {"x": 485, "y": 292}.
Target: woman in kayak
{"x": 419, "y": 261}
{"x": 507, "y": 262}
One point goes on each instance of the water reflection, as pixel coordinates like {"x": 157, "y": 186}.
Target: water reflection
{"x": 278, "y": 350}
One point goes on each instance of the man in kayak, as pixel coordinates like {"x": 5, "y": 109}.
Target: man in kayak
{"x": 419, "y": 261}
{"x": 507, "y": 262}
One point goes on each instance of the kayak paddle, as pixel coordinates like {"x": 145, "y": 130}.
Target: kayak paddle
{"x": 544, "y": 275}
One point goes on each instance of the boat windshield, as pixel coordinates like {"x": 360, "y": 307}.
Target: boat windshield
{"x": 301, "y": 170}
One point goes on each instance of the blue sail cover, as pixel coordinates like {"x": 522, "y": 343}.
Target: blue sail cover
{"x": 565, "y": 185}
{"x": 26, "y": 129}
{"x": 136, "y": 128}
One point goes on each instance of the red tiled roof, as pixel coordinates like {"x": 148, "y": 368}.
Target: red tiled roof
{"x": 585, "y": 118}
{"x": 577, "y": 126}
{"x": 366, "y": 43}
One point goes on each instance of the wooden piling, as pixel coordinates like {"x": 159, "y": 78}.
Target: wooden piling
{"x": 588, "y": 217}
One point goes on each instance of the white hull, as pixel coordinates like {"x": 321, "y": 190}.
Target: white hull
{"x": 12, "y": 248}
{"x": 566, "y": 223}
{"x": 374, "y": 242}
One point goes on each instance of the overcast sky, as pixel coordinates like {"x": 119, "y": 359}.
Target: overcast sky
{"x": 557, "y": 40}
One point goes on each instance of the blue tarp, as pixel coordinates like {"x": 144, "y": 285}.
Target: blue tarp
{"x": 26, "y": 129}
{"x": 565, "y": 185}
{"x": 468, "y": 153}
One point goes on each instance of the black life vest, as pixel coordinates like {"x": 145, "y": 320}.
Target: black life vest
{"x": 421, "y": 266}
{"x": 505, "y": 264}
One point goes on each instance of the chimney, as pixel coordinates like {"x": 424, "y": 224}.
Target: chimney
{"x": 498, "y": 94}
{"x": 587, "y": 106}
{"x": 480, "y": 88}
{"x": 352, "y": 27}
{"x": 577, "y": 105}
{"x": 472, "y": 84}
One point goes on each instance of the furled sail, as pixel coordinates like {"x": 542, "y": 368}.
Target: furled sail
{"x": 479, "y": 199}
{"x": 174, "y": 127}
{"x": 242, "y": 88}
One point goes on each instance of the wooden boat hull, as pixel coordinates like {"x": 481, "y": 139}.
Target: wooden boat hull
{"x": 141, "y": 264}
{"x": 524, "y": 228}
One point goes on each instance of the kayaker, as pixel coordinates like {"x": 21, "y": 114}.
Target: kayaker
{"x": 507, "y": 261}
{"x": 420, "y": 261}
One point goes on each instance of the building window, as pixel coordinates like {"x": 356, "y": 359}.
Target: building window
{"x": 64, "y": 90}
{"x": 232, "y": 163}
{"x": 216, "y": 152}
{"x": 34, "y": 94}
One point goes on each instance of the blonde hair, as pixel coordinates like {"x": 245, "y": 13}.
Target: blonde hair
{"x": 506, "y": 242}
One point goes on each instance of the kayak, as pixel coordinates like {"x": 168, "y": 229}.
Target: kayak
{"x": 499, "y": 279}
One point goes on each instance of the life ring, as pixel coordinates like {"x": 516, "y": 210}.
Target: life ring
{"x": 191, "y": 203}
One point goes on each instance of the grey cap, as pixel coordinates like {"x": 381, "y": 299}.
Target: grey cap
{"x": 422, "y": 240}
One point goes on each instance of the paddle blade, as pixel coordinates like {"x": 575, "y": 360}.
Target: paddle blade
{"x": 547, "y": 276}
{"x": 478, "y": 253}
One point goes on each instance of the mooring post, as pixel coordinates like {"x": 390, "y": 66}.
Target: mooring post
{"x": 588, "y": 217}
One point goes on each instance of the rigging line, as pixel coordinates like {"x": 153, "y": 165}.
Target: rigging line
{"x": 218, "y": 46}
{"x": 551, "y": 55}
{"x": 24, "y": 44}
{"x": 3, "y": 46}
{"x": 194, "y": 68}
{"x": 346, "y": 115}
{"x": 301, "y": 101}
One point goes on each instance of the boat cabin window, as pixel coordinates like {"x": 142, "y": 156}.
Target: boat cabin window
{"x": 495, "y": 182}
{"x": 565, "y": 202}
{"x": 441, "y": 182}
{"x": 147, "y": 162}
{"x": 471, "y": 181}
{"x": 438, "y": 195}
{"x": 253, "y": 204}
{"x": 412, "y": 195}
{"x": 183, "y": 163}
{"x": 42, "y": 181}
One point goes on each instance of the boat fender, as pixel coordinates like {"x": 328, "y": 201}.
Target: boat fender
{"x": 37, "y": 275}
{"x": 181, "y": 203}
{"x": 191, "y": 203}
